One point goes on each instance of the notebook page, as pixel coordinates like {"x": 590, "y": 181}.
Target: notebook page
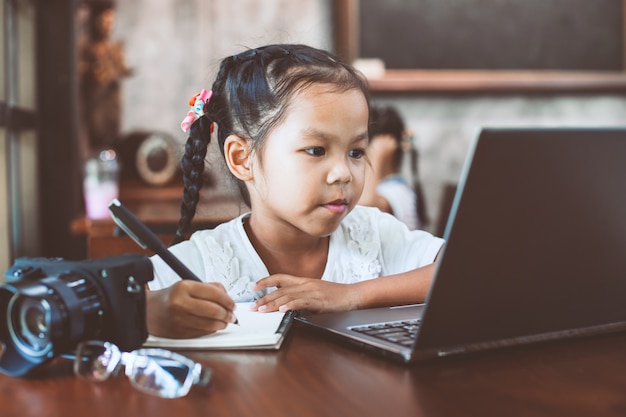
{"x": 255, "y": 330}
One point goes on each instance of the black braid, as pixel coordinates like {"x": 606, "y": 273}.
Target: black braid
{"x": 420, "y": 202}
{"x": 193, "y": 169}
{"x": 195, "y": 153}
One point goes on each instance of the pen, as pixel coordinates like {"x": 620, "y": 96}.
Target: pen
{"x": 146, "y": 239}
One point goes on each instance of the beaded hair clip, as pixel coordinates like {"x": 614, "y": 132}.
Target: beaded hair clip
{"x": 196, "y": 111}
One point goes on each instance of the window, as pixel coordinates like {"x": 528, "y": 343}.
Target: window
{"x": 18, "y": 141}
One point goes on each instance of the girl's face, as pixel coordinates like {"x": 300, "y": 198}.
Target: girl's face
{"x": 312, "y": 166}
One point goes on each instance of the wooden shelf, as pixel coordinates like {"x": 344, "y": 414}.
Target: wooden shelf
{"x": 480, "y": 82}
{"x": 159, "y": 209}
{"x": 136, "y": 190}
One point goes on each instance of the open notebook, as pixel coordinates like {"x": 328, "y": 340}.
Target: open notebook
{"x": 255, "y": 331}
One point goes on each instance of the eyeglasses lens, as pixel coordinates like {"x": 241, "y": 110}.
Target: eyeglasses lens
{"x": 95, "y": 361}
{"x": 160, "y": 376}
{"x": 154, "y": 371}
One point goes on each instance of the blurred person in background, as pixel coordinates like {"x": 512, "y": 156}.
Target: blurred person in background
{"x": 385, "y": 187}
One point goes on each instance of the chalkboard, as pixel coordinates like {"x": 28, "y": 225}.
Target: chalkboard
{"x": 493, "y": 34}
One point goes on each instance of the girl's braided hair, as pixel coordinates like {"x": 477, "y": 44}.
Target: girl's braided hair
{"x": 251, "y": 93}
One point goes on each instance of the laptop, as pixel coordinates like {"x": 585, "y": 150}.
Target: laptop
{"x": 535, "y": 251}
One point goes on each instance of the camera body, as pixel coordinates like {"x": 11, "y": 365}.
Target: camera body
{"x": 52, "y": 304}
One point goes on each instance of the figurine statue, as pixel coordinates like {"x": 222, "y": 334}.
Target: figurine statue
{"x": 101, "y": 69}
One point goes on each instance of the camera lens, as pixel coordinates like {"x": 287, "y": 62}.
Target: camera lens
{"x": 30, "y": 324}
{"x": 49, "y": 305}
{"x": 34, "y": 320}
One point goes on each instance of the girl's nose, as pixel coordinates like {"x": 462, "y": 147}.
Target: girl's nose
{"x": 339, "y": 173}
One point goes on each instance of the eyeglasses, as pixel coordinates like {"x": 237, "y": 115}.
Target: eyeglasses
{"x": 153, "y": 371}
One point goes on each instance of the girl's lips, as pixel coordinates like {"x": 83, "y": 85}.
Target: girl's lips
{"x": 337, "y": 206}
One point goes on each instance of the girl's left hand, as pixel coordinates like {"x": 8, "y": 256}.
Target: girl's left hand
{"x": 297, "y": 293}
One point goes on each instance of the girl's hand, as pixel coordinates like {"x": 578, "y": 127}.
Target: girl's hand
{"x": 296, "y": 293}
{"x": 189, "y": 309}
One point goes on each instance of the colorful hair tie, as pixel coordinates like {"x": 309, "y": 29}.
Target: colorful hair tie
{"x": 196, "y": 111}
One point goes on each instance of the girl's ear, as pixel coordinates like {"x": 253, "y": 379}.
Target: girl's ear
{"x": 238, "y": 158}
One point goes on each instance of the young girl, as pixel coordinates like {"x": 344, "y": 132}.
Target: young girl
{"x": 386, "y": 188}
{"x": 292, "y": 124}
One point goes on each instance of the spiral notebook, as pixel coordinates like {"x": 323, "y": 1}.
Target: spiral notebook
{"x": 254, "y": 331}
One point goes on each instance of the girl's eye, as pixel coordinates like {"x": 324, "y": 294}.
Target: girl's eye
{"x": 317, "y": 151}
{"x": 357, "y": 153}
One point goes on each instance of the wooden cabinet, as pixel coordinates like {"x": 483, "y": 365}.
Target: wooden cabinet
{"x": 159, "y": 209}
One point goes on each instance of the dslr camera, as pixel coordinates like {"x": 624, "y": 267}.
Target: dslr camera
{"x": 50, "y": 305}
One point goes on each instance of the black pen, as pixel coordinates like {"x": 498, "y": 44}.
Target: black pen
{"x": 146, "y": 238}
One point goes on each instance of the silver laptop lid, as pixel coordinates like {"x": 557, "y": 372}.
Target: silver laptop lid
{"x": 535, "y": 242}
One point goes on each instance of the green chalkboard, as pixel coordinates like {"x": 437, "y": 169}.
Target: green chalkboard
{"x": 493, "y": 34}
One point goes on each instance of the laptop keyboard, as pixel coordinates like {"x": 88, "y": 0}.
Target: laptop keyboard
{"x": 399, "y": 332}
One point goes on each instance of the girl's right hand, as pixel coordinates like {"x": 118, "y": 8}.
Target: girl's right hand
{"x": 189, "y": 309}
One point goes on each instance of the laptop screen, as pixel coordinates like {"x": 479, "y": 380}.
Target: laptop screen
{"x": 534, "y": 240}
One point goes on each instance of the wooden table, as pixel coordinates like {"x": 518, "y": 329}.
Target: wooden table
{"x": 315, "y": 376}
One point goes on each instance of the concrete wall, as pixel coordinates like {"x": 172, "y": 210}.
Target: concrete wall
{"x": 445, "y": 126}
{"x": 175, "y": 46}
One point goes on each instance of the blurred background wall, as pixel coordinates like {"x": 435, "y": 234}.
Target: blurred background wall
{"x": 174, "y": 48}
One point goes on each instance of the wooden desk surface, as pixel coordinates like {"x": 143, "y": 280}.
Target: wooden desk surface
{"x": 315, "y": 376}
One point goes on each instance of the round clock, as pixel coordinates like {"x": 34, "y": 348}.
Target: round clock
{"x": 157, "y": 158}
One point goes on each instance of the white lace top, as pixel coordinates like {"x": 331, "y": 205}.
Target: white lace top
{"x": 368, "y": 244}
